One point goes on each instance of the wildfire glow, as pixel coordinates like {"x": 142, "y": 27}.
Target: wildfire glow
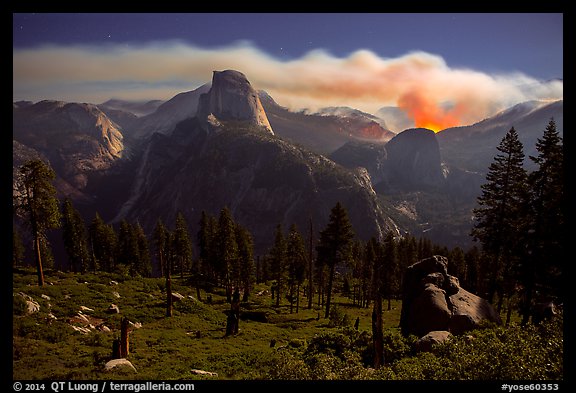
{"x": 427, "y": 113}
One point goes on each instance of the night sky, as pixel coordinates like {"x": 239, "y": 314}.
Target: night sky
{"x": 530, "y": 43}
{"x": 295, "y": 56}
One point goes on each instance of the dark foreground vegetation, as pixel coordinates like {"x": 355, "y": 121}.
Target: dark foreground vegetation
{"x": 271, "y": 342}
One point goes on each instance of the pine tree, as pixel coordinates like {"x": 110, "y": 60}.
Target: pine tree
{"x": 278, "y": 261}
{"x": 374, "y": 257}
{"x": 36, "y": 202}
{"x": 227, "y": 249}
{"x": 391, "y": 272}
{"x": 142, "y": 265}
{"x": 17, "y": 248}
{"x": 546, "y": 229}
{"x": 208, "y": 245}
{"x": 335, "y": 241}
{"x": 160, "y": 239}
{"x": 246, "y": 260}
{"x": 103, "y": 244}
{"x": 296, "y": 262}
{"x": 500, "y": 217}
{"x": 182, "y": 245}
{"x": 127, "y": 247}
{"x": 75, "y": 238}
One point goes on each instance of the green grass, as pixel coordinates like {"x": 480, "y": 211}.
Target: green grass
{"x": 169, "y": 348}
{"x": 163, "y": 348}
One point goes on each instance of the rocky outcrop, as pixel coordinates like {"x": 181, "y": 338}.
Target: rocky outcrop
{"x": 232, "y": 97}
{"x": 413, "y": 159}
{"x": 432, "y": 300}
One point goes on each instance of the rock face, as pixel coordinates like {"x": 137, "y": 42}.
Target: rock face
{"x": 432, "y": 300}
{"x": 79, "y": 141}
{"x": 232, "y": 97}
{"x": 414, "y": 159}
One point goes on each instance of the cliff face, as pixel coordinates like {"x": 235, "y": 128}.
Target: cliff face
{"x": 78, "y": 139}
{"x": 263, "y": 180}
{"x": 232, "y": 97}
{"x": 414, "y": 159}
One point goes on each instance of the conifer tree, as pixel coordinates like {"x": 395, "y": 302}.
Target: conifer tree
{"x": 160, "y": 239}
{"x": 296, "y": 263}
{"x": 182, "y": 245}
{"x": 36, "y": 202}
{"x": 17, "y": 248}
{"x": 278, "y": 261}
{"x": 500, "y": 219}
{"x": 141, "y": 265}
{"x": 103, "y": 244}
{"x": 227, "y": 249}
{"x": 75, "y": 238}
{"x": 208, "y": 245}
{"x": 335, "y": 241}
{"x": 546, "y": 230}
{"x": 391, "y": 272}
{"x": 246, "y": 260}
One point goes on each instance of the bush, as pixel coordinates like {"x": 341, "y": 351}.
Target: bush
{"x": 338, "y": 318}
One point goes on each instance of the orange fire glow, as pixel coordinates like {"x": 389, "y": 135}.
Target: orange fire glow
{"x": 427, "y": 113}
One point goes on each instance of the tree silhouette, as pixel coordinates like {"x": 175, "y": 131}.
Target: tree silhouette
{"x": 36, "y": 201}
{"x": 335, "y": 241}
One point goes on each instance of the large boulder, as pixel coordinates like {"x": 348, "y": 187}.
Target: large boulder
{"x": 427, "y": 342}
{"x": 433, "y": 300}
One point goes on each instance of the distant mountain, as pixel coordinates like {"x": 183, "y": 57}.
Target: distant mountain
{"x": 230, "y": 158}
{"x": 138, "y": 108}
{"x": 180, "y": 107}
{"x": 355, "y": 114}
{"x": 78, "y": 140}
{"x": 474, "y": 147}
{"x": 325, "y": 132}
{"x": 396, "y": 119}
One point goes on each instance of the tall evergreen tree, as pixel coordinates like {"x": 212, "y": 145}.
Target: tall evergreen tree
{"x": 142, "y": 265}
{"x": 335, "y": 241}
{"x": 75, "y": 238}
{"x": 127, "y": 246}
{"x": 246, "y": 260}
{"x": 296, "y": 263}
{"x": 160, "y": 240}
{"x": 208, "y": 245}
{"x": 36, "y": 202}
{"x": 182, "y": 245}
{"x": 546, "y": 226}
{"x": 374, "y": 257}
{"x": 227, "y": 249}
{"x": 17, "y": 248}
{"x": 391, "y": 272}
{"x": 500, "y": 219}
{"x": 278, "y": 261}
{"x": 103, "y": 244}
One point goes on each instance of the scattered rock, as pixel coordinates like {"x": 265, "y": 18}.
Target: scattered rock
{"x": 113, "y": 282}
{"x": 122, "y": 362}
{"x": 103, "y": 328}
{"x": 32, "y": 306}
{"x": 84, "y": 308}
{"x": 426, "y": 343}
{"x": 202, "y": 372}
{"x": 136, "y": 325}
{"x": 176, "y": 297}
{"x": 116, "y": 294}
{"x": 113, "y": 309}
{"x": 45, "y": 297}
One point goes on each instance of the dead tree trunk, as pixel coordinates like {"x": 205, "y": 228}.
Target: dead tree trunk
{"x": 124, "y": 338}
